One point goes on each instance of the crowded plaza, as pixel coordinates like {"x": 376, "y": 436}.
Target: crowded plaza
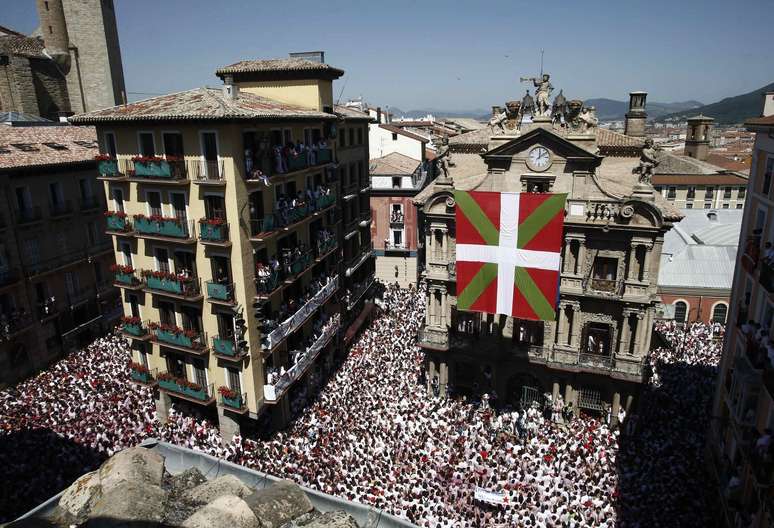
{"x": 373, "y": 434}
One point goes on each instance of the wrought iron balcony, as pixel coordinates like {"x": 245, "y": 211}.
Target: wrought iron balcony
{"x": 108, "y": 169}
{"x": 208, "y": 172}
{"x": 172, "y": 229}
{"x": 226, "y": 348}
{"x": 143, "y": 376}
{"x": 117, "y": 223}
{"x": 213, "y": 233}
{"x": 158, "y": 170}
{"x": 175, "y": 337}
{"x": 187, "y": 390}
{"x": 236, "y": 403}
{"x": 177, "y": 286}
{"x": 220, "y": 293}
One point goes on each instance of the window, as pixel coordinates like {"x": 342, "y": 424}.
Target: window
{"x": 671, "y": 192}
{"x": 200, "y": 374}
{"x": 708, "y": 206}
{"x": 71, "y": 283}
{"x": 397, "y": 238}
{"x": 681, "y": 311}
{"x": 178, "y": 205}
{"x": 110, "y": 144}
{"x": 162, "y": 259}
{"x": 61, "y": 242}
{"x": 134, "y": 304}
{"x": 287, "y": 135}
{"x": 146, "y": 143}
{"x": 167, "y": 313}
{"x": 741, "y": 193}
{"x": 738, "y": 206}
{"x": 118, "y": 199}
{"x": 55, "y": 193}
{"x": 342, "y": 138}
{"x": 234, "y": 383}
{"x": 154, "y": 202}
{"x": 23, "y": 199}
{"x": 351, "y": 136}
{"x": 709, "y": 193}
{"x": 126, "y": 250}
{"x": 173, "y": 144}
{"x": 719, "y": 313}
{"x": 691, "y": 193}
{"x": 727, "y": 193}
{"x": 396, "y": 182}
{"x": 86, "y": 191}
{"x": 360, "y": 135}
{"x": 725, "y": 206}
{"x": 31, "y": 250}
{"x": 176, "y": 366}
{"x": 395, "y": 136}
{"x": 767, "y": 176}
{"x": 605, "y": 268}
{"x": 92, "y": 233}
{"x": 689, "y": 205}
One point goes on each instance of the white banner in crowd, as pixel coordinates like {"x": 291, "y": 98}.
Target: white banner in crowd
{"x": 491, "y": 497}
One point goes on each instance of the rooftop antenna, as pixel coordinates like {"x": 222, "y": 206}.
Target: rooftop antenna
{"x": 341, "y": 92}
{"x": 541, "y": 62}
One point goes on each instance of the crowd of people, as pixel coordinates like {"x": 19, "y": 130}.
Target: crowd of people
{"x": 373, "y": 434}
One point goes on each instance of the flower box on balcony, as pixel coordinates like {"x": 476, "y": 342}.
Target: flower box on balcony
{"x": 324, "y": 155}
{"x": 170, "y": 227}
{"x": 297, "y": 162}
{"x": 174, "y": 386}
{"x": 107, "y": 167}
{"x": 234, "y": 403}
{"x": 152, "y": 169}
{"x": 126, "y": 278}
{"x": 213, "y": 232}
{"x": 224, "y": 347}
{"x": 167, "y": 285}
{"x": 136, "y": 330}
{"x": 173, "y": 338}
{"x": 116, "y": 223}
{"x": 142, "y": 377}
{"x": 221, "y": 292}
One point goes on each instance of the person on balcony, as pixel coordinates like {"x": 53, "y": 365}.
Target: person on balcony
{"x": 280, "y": 161}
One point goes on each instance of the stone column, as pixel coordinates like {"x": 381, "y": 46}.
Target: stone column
{"x": 569, "y": 397}
{"x": 560, "y": 340}
{"x": 443, "y": 380}
{"x": 647, "y": 330}
{"x": 228, "y": 425}
{"x": 581, "y": 257}
{"x": 626, "y": 332}
{"x": 444, "y": 306}
{"x": 646, "y": 263}
{"x": 576, "y": 323}
{"x": 616, "y": 407}
{"x": 567, "y": 261}
{"x": 555, "y": 390}
{"x": 163, "y": 403}
{"x": 431, "y": 372}
{"x": 632, "y": 274}
{"x": 638, "y": 332}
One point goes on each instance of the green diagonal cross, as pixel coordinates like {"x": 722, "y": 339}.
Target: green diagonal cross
{"x": 537, "y": 220}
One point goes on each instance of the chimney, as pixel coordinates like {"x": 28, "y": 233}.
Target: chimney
{"x": 634, "y": 124}
{"x": 230, "y": 90}
{"x": 379, "y": 115}
{"x": 314, "y": 56}
{"x": 697, "y": 138}
{"x": 768, "y": 104}
{"x": 54, "y": 30}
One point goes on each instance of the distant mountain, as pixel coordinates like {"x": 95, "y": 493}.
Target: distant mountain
{"x": 727, "y": 111}
{"x": 611, "y": 110}
{"x": 416, "y": 114}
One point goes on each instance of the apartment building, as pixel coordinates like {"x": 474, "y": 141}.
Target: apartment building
{"x": 698, "y": 178}
{"x": 55, "y": 288}
{"x": 241, "y": 234}
{"x": 741, "y": 454}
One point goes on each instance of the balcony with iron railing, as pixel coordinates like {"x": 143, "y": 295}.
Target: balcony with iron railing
{"x": 354, "y": 262}
{"x": 273, "y": 392}
{"x": 187, "y": 390}
{"x": 186, "y": 340}
{"x": 143, "y": 375}
{"x": 208, "y": 172}
{"x": 227, "y": 348}
{"x": 135, "y": 328}
{"x": 214, "y": 232}
{"x": 297, "y": 319}
{"x": 325, "y": 247}
{"x": 168, "y": 229}
{"x": 353, "y": 296}
{"x": 109, "y": 168}
{"x": 233, "y": 401}
{"x": 751, "y": 252}
{"x": 396, "y": 218}
{"x": 117, "y": 223}
{"x": 288, "y": 217}
{"x": 605, "y": 287}
{"x": 182, "y": 287}
{"x": 157, "y": 170}
{"x": 125, "y": 277}
{"x": 269, "y": 165}
{"x": 267, "y": 282}
{"x": 220, "y": 293}
{"x": 29, "y": 215}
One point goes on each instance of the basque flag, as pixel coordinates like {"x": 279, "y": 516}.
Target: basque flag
{"x": 509, "y": 252}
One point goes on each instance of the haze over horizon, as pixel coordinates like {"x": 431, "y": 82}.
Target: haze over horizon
{"x": 454, "y": 58}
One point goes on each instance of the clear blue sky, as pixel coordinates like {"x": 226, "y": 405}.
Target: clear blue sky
{"x": 453, "y": 55}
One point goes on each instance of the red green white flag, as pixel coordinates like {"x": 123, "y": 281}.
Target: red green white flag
{"x": 508, "y": 252}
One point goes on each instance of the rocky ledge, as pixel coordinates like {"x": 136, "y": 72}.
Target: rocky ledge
{"x": 132, "y": 489}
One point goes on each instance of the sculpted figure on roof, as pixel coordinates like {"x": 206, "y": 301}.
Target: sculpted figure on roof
{"x": 543, "y": 89}
{"x": 648, "y": 162}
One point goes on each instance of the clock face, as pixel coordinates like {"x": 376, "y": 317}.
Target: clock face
{"x": 539, "y": 158}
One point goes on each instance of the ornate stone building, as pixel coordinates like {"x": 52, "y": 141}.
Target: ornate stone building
{"x": 593, "y": 353}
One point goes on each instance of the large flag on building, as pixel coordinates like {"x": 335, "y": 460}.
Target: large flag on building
{"x": 508, "y": 252}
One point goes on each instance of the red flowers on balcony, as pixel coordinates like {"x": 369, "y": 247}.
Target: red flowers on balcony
{"x": 130, "y": 320}
{"x": 212, "y": 221}
{"x": 227, "y": 393}
{"x": 103, "y": 157}
{"x": 165, "y": 275}
{"x": 118, "y": 268}
{"x": 137, "y": 367}
{"x": 173, "y": 329}
{"x": 117, "y": 214}
{"x": 180, "y": 382}
{"x": 158, "y": 218}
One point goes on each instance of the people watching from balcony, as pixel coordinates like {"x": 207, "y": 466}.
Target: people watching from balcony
{"x": 768, "y": 253}
{"x": 10, "y": 319}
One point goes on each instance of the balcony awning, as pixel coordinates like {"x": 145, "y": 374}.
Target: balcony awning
{"x": 355, "y": 326}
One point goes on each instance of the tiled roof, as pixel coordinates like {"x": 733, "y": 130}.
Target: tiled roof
{"x": 351, "y": 113}
{"x": 475, "y": 138}
{"x": 21, "y": 45}
{"x": 609, "y": 138}
{"x": 725, "y": 162}
{"x": 393, "y": 164}
{"x": 698, "y": 179}
{"x": 293, "y": 64}
{"x": 398, "y": 130}
{"x": 760, "y": 121}
{"x": 200, "y": 103}
{"x": 35, "y": 146}
{"x": 670, "y": 163}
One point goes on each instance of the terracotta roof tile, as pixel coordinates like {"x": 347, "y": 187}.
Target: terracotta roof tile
{"x": 21, "y": 45}
{"x": 35, "y": 146}
{"x": 698, "y": 179}
{"x": 398, "y": 130}
{"x": 200, "y": 103}
{"x": 393, "y": 164}
{"x": 760, "y": 121}
{"x": 292, "y": 64}
{"x": 351, "y": 113}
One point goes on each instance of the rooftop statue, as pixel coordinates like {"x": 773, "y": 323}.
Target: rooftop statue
{"x": 443, "y": 159}
{"x": 559, "y": 109}
{"x": 648, "y": 162}
{"x": 543, "y": 89}
{"x": 527, "y": 104}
